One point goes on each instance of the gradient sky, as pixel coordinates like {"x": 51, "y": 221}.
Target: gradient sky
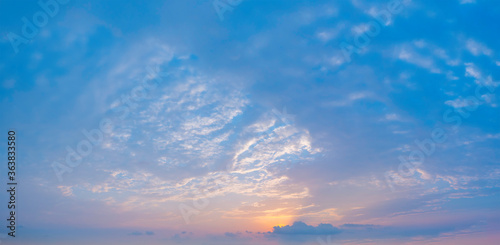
{"x": 258, "y": 122}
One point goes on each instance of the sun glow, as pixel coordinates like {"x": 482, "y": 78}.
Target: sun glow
{"x": 268, "y": 222}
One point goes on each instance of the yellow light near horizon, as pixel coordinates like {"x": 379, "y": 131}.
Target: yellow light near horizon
{"x": 268, "y": 222}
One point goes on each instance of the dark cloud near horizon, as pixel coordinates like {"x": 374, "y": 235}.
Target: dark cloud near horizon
{"x": 301, "y": 228}
{"x": 302, "y": 232}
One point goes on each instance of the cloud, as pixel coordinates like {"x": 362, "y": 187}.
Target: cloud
{"x": 66, "y": 190}
{"x": 300, "y": 231}
{"x": 410, "y": 55}
{"x": 459, "y": 103}
{"x": 477, "y": 48}
{"x": 392, "y": 117}
{"x": 232, "y": 235}
{"x": 351, "y": 98}
{"x": 326, "y": 35}
{"x": 472, "y": 71}
{"x": 190, "y": 134}
{"x": 301, "y": 228}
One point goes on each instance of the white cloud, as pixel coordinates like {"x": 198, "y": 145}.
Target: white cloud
{"x": 193, "y": 123}
{"x": 409, "y": 55}
{"x": 351, "y": 98}
{"x": 331, "y": 33}
{"x": 472, "y": 71}
{"x": 392, "y": 117}
{"x": 360, "y": 29}
{"x": 459, "y": 103}
{"x": 477, "y": 48}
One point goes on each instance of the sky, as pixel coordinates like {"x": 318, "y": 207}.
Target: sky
{"x": 272, "y": 122}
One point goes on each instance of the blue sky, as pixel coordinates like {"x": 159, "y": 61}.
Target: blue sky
{"x": 253, "y": 122}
